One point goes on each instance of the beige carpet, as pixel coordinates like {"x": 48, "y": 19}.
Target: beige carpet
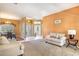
{"x": 40, "y": 48}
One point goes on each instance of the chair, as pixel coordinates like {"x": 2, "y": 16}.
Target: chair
{"x": 9, "y": 35}
{"x": 71, "y": 37}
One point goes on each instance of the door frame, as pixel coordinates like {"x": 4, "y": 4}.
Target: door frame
{"x": 38, "y": 23}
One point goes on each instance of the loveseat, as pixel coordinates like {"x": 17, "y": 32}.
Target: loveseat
{"x": 56, "y": 38}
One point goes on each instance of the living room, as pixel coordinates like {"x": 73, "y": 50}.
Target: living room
{"x": 34, "y": 29}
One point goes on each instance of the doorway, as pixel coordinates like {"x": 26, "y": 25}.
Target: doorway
{"x": 37, "y": 28}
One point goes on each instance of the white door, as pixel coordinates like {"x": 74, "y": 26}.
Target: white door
{"x": 37, "y": 29}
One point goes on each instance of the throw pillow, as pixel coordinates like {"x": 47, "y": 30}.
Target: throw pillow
{"x": 52, "y": 37}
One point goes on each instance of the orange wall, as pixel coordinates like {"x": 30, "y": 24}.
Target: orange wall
{"x": 69, "y": 19}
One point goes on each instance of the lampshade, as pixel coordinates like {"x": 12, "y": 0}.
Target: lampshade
{"x": 72, "y": 32}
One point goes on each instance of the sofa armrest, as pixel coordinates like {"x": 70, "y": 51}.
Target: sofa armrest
{"x": 63, "y": 39}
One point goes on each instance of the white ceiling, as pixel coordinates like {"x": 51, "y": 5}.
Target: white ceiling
{"x": 33, "y": 10}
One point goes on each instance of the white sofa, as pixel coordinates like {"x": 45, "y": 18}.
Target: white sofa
{"x": 11, "y": 48}
{"x": 56, "y": 38}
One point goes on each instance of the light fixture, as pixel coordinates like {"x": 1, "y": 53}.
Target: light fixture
{"x": 8, "y": 22}
{"x": 57, "y": 21}
{"x": 29, "y": 21}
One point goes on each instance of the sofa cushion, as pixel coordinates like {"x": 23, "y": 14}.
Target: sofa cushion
{"x": 3, "y": 40}
{"x": 52, "y": 36}
{"x": 57, "y": 35}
